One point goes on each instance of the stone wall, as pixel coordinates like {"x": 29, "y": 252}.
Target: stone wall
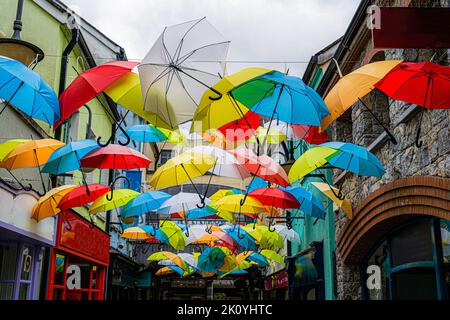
{"x": 400, "y": 161}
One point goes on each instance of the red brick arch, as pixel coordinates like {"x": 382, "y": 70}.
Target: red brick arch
{"x": 388, "y": 207}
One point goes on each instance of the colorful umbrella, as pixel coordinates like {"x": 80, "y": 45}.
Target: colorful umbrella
{"x": 165, "y": 271}
{"x": 238, "y": 203}
{"x": 355, "y": 159}
{"x": 272, "y": 135}
{"x": 181, "y": 202}
{"x": 180, "y": 169}
{"x": 119, "y": 198}
{"x": 172, "y": 80}
{"x": 242, "y": 129}
{"x": 165, "y": 255}
{"x": 127, "y": 92}
{"x": 115, "y": 157}
{"x": 144, "y": 203}
{"x": 82, "y": 196}
{"x": 310, "y": 134}
{"x": 211, "y": 259}
{"x": 175, "y": 235}
{"x": 266, "y": 238}
{"x": 425, "y": 84}
{"x": 135, "y": 233}
{"x": 309, "y": 204}
{"x": 27, "y": 91}
{"x": 220, "y": 194}
{"x": 145, "y": 133}
{"x": 344, "y": 203}
{"x": 254, "y": 257}
{"x": 288, "y": 234}
{"x": 89, "y": 85}
{"x": 241, "y": 236}
{"x": 311, "y": 160}
{"x": 67, "y": 158}
{"x": 7, "y": 147}
{"x": 272, "y": 255}
{"x": 275, "y": 197}
{"x": 47, "y": 206}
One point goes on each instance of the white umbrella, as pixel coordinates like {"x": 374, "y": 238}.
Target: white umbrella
{"x": 285, "y": 233}
{"x": 185, "y": 131}
{"x": 182, "y": 202}
{"x": 189, "y": 259}
{"x": 195, "y": 233}
{"x": 284, "y": 128}
{"x": 184, "y": 62}
{"x": 226, "y": 164}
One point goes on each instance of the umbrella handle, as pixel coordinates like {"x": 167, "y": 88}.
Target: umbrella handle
{"x": 127, "y": 136}
{"x": 419, "y": 142}
{"x": 239, "y": 234}
{"x": 202, "y": 204}
{"x": 22, "y": 187}
{"x": 113, "y": 133}
{"x": 219, "y": 94}
{"x": 209, "y": 229}
{"x": 270, "y": 227}
{"x": 111, "y": 196}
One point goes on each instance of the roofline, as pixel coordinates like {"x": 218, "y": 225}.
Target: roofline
{"x": 314, "y": 60}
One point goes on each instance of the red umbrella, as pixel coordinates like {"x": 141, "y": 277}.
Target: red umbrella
{"x": 89, "y": 85}
{"x": 425, "y": 84}
{"x": 275, "y": 197}
{"x": 83, "y": 195}
{"x": 115, "y": 157}
{"x": 262, "y": 166}
{"x": 310, "y": 134}
{"x": 242, "y": 129}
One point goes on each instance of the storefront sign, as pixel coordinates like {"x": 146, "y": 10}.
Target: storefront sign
{"x": 200, "y": 283}
{"x": 225, "y": 284}
{"x": 79, "y": 235}
{"x": 278, "y": 281}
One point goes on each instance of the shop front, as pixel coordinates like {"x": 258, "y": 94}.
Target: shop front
{"x": 78, "y": 261}
{"x": 24, "y": 246}
{"x": 276, "y": 286}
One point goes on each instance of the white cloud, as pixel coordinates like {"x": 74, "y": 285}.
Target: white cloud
{"x": 259, "y": 30}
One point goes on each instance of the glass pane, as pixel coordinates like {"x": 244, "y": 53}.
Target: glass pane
{"x": 415, "y": 284}
{"x": 40, "y": 266}
{"x": 8, "y": 261}
{"x": 59, "y": 274}
{"x": 6, "y": 291}
{"x": 412, "y": 243}
{"x": 445, "y": 237}
{"x": 27, "y": 261}
{"x": 23, "y": 291}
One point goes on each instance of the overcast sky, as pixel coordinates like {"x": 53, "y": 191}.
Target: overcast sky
{"x": 259, "y": 30}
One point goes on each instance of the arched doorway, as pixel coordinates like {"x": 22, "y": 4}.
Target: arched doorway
{"x": 401, "y": 230}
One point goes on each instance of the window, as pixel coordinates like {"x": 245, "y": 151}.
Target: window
{"x": 165, "y": 156}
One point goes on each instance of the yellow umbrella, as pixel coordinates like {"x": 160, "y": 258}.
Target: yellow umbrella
{"x": 266, "y": 239}
{"x": 175, "y": 235}
{"x": 8, "y": 146}
{"x": 233, "y": 204}
{"x": 230, "y": 263}
{"x": 272, "y": 255}
{"x": 220, "y": 194}
{"x": 166, "y": 255}
{"x": 182, "y": 168}
{"x": 127, "y": 92}
{"x": 344, "y": 204}
{"x": 135, "y": 233}
{"x": 275, "y": 136}
{"x": 173, "y": 137}
{"x": 47, "y": 206}
{"x": 214, "y": 114}
{"x": 119, "y": 198}
{"x": 354, "y": 86}
{"x": 311, "y": 160}
{"x": 165, "y": 272}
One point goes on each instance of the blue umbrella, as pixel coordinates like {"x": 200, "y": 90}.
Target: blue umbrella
{"x": 67, "y": 158}
{"x": 259, "y": 259}
{"x": 199, "y": 213}
{"x": 145, "y": 133}
{"x": 355, "y": 159}
{"x": 234, "y": 272}
{"x": 290, "y": 100}
{"x": 27, "y": 91}
{"x": 242, "y": 237}
{"x": 177, "y": 269}
{"x": 309, "y": 204}
{"x": 211, "y": 259}
{"x": 144, "y": 203}
{"x": 156, "y": 233}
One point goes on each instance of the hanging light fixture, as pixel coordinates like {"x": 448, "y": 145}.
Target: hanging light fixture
{"x": 17, "y": 49}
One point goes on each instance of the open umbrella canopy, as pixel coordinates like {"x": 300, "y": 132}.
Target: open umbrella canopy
{"x": 82, "y": 196}
{"x": 90, "y": 84}
{"x": 146, "y": 133}
{"x": 211, "y": 259}
{"x": 311, "y": 134}
{"x": 253, "y": 257}
{"x": 309, "y": 204}
{"x": 182, "y": 168}
{"x": 233, "y": 204}
{"x": 27, "y": 91}
{"x": 275, "y": 197}
{"x": 67, "y": 158}
{"x": 345, "y": 204}
{"x": 354, "y": 86}
{"x": 7, "y": 147}
{"x": 425, "y": 84}
{"x": 241, "y": 236}
{"x": 144, "y": 203}
{"x": 181, "y": 202}
{"x": 189, "y": 259}
{"x": 272, "y": 255}
{"x": 169, "y": 270}
{"x": 242, "y": 129}
{"x": 217, "y": 113}
{"x": 220, "y": 194}
{"x": 165, "y": 255}
{"x": 34, "y": 153}
{"x": 311, "y": 160}
{"x": 355, "y": 159}
{"x": 171, "y": 78}
{"x": 174, "y": 234}
{"x": 266, "y": 239}
{"x": 47, "y": 206}
{"x": 226, "y": 164}
{"x": 119, "y": 198}
{"x": 272, "y": 135}
{"x": 288, "y": 234}
{"x": 135, "y": 233}
{"x": 115, "y": 157}
{"x": 127, "y": 92}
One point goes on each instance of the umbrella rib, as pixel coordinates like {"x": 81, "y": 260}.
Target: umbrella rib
{"x": 180, "y": 44}
{"x": 184, "y": 87}
{"x": 189, "y": 54}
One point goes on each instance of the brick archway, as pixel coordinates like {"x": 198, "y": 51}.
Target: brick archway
{"x": 390, "y": 206}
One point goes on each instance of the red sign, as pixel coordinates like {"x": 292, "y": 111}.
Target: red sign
{"x": 79, "y": 235}
{"x": 411, "y": 28}
{"x": 278, "y": 281}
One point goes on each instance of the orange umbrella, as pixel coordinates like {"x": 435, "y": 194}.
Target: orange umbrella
{"x": 47, "y": 206}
